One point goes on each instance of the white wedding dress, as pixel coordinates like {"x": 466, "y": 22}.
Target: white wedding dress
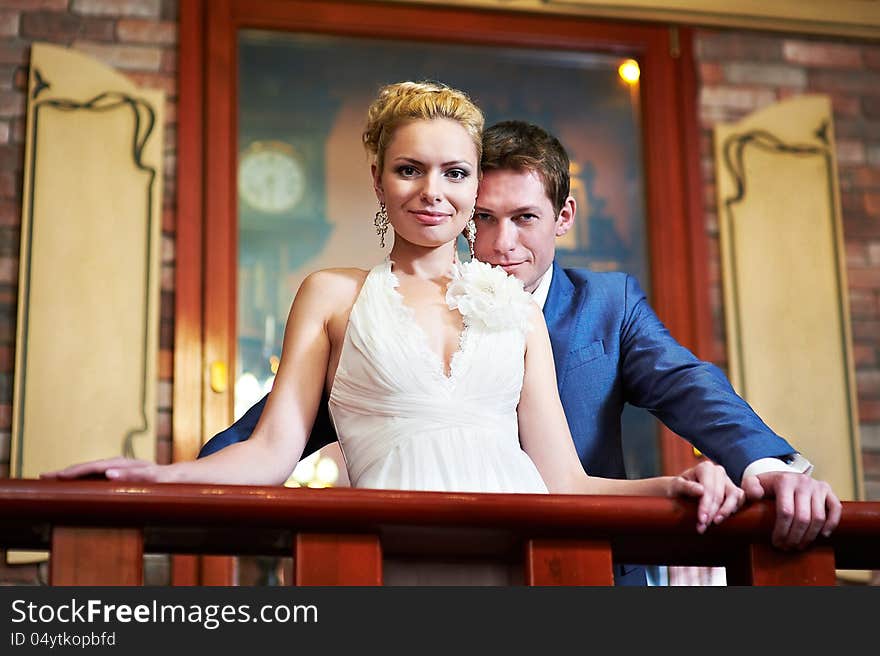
{"x": 402, "y": 422}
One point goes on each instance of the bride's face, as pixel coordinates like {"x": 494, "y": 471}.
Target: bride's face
{"x": 428, "y": 181}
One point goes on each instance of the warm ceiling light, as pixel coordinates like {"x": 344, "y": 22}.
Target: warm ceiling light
{"x": 629, "y": 71}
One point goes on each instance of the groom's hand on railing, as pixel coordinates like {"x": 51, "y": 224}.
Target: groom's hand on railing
{"x": 114, "y": 469}
{"x": 804, "y": 506}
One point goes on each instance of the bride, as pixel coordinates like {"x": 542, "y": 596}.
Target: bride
{"x": 440, "y": 373}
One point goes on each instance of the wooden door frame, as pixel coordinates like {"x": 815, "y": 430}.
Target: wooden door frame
{"x": 207, "y": 151}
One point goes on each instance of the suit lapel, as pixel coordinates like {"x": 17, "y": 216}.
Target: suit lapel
{"x": 562, "y": 318}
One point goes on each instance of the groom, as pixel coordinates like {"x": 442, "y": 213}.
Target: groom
{"x": 610, "y": 349}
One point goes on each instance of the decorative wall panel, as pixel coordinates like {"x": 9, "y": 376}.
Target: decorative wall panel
{"x": 87, "y": 335}
{"x": 785, "y": 293}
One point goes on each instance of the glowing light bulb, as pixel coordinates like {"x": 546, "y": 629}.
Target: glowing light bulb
{"x": 305, "y": 470}
{"x": 629, "y": 71}
{"x": 326, "y": 471}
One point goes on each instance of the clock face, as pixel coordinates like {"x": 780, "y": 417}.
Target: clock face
{"x": 270, "y": 177}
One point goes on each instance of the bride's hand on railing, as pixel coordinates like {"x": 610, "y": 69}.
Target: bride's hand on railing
{"x": 719, "y": 496}
{"x": 114, "y": 469}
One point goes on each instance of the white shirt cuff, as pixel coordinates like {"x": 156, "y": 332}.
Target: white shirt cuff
{"x": 798, "y": 465}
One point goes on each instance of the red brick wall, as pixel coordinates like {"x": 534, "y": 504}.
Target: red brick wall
{"x": 740, "y": 72}
{"x": 138, "y": 38}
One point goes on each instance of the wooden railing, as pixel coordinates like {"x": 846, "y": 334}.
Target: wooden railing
{"x": 98, "y": 531}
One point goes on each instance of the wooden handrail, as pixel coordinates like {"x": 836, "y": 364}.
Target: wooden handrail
{"x": 195, "y": 518}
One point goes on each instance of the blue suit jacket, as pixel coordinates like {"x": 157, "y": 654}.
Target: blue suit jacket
{"x": 610, "y": 349}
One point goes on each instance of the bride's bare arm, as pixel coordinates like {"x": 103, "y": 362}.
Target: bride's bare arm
{"x": 545, "y": 436}
{"x": 276, "y": 444}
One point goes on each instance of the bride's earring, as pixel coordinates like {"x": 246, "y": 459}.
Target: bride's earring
{"x": 470, "y": 232}
{"x": 381, "y": 223}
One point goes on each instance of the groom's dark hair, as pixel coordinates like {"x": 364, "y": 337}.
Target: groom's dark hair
{"x": 521, "y": 146}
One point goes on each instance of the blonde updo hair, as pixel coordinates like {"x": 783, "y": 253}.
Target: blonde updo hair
{"x": 404, "y": 102}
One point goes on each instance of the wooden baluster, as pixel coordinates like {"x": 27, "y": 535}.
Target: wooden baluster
{"x": 568, "y": 562}
{"x": 184, "y": 569}
{"x": 337, "y": 559}
{"x": 96, "y": 556}
{"x": 218, "y": 570}
{"x": 761, "y": 564}
{"x": 203, "y": 570}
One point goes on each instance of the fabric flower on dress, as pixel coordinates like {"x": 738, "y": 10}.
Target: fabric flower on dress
{"x": 486, "y": 295}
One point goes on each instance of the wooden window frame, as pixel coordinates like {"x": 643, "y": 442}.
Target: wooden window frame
{"x": 206, "y": 262}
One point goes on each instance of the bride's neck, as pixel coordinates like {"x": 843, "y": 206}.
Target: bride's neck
{"x": 426, "y": 263}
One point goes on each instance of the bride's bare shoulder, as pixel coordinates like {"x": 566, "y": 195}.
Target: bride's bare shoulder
{"x": 339, "y": 280}
{"x": 336, "y": 287}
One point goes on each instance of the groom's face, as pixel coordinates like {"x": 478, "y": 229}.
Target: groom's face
{"x": 516, "y": 224}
